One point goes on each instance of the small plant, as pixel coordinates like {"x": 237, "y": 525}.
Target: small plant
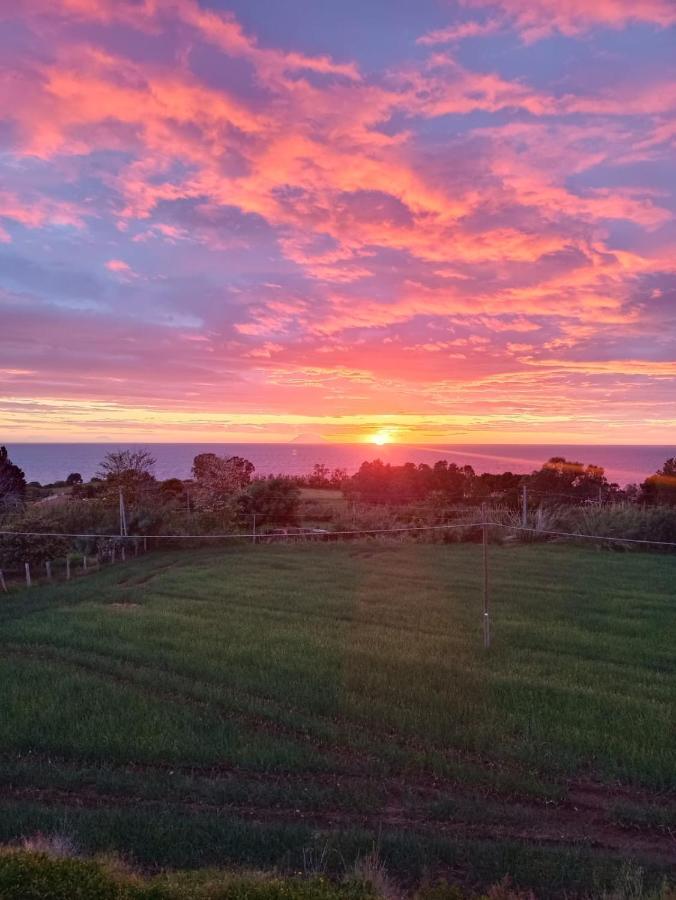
{"x": 56, "y": 846}
{"x": 370, "y": 870}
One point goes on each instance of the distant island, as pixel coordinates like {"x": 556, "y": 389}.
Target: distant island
{"x": 308, "y": 437}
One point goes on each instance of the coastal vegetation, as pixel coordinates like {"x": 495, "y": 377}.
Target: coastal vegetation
{"x": 225, "y": 496}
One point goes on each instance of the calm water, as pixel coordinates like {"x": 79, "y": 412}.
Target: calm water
{"x": 53, "y": 462}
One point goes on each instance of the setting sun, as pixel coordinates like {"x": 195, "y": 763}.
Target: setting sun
{"x": 380, "y": 438}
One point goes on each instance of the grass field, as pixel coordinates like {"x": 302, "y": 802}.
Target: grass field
{"x": 300, "y": 706}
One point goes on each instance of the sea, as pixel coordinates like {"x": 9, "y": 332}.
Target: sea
{"x": 624, "y": 464}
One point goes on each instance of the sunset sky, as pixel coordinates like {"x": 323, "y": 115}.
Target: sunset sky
{"x": 420, "y": 220}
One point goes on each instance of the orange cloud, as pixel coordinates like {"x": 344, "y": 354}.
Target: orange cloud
{"x": 651, "y": 368}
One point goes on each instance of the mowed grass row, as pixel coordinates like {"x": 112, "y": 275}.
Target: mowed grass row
{"x": 244, "y": 703}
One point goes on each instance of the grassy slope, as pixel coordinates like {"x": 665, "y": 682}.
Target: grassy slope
{"x": 260, "y": 705}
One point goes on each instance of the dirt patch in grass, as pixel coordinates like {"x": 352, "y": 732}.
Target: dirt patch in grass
{"x": 556, "y": 825}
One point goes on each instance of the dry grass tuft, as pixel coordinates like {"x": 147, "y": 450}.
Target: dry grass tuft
{"x": 56, "y": 846}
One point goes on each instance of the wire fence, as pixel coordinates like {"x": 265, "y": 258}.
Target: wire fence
{"x": 119, "y": 545}
{"x": 111, "y": 548}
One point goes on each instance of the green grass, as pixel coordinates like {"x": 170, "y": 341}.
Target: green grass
{"x": 39, "y": 876}
{"x": 249, "y": 705}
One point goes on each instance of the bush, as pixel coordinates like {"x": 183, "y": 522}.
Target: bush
{"x": 273, "y": 500}
{"x": 40, "y": 876}
{"x": 622, "y": 520}
{"x": 36, "y": 876}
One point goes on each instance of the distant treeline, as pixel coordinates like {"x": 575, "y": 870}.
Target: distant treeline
{"x": 557, "y": 481}
{"x": 224, "y": 496}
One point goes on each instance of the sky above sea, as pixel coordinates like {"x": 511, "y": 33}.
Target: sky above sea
{"x": 441, "y": 220}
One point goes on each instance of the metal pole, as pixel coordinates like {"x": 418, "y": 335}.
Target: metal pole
{"x": 48, "y": 567}
{"x": 123, "y": 517}
{"x": 487, "y": 618}
{"x": 28, "y": 575}
{"x": 524, "y": 506}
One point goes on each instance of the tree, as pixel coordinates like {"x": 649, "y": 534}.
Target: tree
{"x": 12, "y": 483}
{"x": 562, "y": 481}
{"x": 378, "y": 482}
{"x": 274, "y": 499}
{"x": 660, "y": 488}
{"x": 219, "y": 480}
{"x": 130, "y": 471}
{"x": 172, "y": 488}
{"x": 319, "y": 477}
{"x": 74, "y": 478}
{"x": 338, "y": 478}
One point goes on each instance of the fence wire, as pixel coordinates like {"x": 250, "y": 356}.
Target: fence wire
{"x": 321, "y": 533}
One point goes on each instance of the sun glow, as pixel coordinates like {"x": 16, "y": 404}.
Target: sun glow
{"x": 380, "y": 438}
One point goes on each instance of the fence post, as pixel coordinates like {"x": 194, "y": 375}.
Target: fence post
{"x": 68, "y": 567}
{"x": 253, "y": 535}
{"x": 123, "y": 516}
{"x": 122, "y": 553}
{"x": 112, "y": 554}
{"x": 28, "y": 574}
{"x": 48, "y": 567}
{"x": 524, "y": 506}
{"x": 145, "y": 544}
{"x": 84, "y": 562}
{"x": 3, "y": 583}
{"x": 487, "y": 618}
{"x": 135, "y": 548}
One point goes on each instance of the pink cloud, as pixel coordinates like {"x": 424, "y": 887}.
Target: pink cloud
{"x": 459, "y": 32}
{"x": 536, "y": 19}
{"x": 317, "y": 223}
{"x": 118, "y": 265}
{"x": 38, "y": 211}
